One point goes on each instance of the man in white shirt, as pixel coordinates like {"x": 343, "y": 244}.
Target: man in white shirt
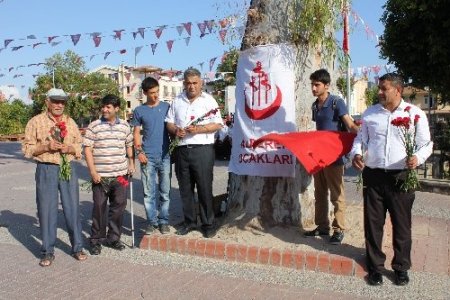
{"x": 194, "y": 118}
{"x": 379, "y": 151}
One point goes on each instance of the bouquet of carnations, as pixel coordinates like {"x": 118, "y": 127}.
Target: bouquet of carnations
{"x": 407, "y": 127}
{"x": 105, "y": 182}
{"x": 58, "y": 133}
{"x": 193, "y": 121}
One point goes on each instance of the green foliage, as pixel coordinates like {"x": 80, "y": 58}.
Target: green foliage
{"x": 314, "y": 22}
{"x": 371, "y": 96}
{"x": 84, "y": 89}
{"x": 14, "y": 116}
{"x": 416, "y": 40}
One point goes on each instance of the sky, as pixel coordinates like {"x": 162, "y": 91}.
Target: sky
{"x": 22, "y": 20}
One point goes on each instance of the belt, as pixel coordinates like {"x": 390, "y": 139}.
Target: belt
{"x": 47, "y": 163}
{"x": 389, "y": 171}
{"x": 190, "y": 146}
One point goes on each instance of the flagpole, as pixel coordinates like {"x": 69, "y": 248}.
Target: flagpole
{"x": 347, "y": 57}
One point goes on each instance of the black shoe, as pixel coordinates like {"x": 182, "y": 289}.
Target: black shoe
{"x": 151, "y": 229}
{"x": 95, "y": 249}
{"x": 401, "y": 277}
{"x": 209, "y": 232}
{"x": 185, "y": 229}
{"x": 316, "y": 232}
{"x": 374, "y": 278}
{"x": 164, "y": 228}
{"x": 337, "y": 237}
{"x": 116, "y": 245}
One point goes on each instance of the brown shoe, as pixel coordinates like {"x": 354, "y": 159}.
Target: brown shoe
{"x": 80, "y": 255}
{"x": 46, "y": 260}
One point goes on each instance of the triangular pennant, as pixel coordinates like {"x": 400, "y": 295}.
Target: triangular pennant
{"x": 16, "y": 48}
{"x": 201, "y": 66}
{"x": 134, "y": 34}
{"x": 159, "y": 31}
{"x": 127, "y": 76}
{"x": 209, "y": 25}
{"x": 107, "y": 54}
{"x": 211, "y": 63}
{"x": 153, "y": 46}
{"x": 141, "y": 31}
{"x": 92, "y": 56}
{"x": 137, "y": 50}
{"x": 37, "y": 44}
{"x": 7, "y": 42}
{"x": 223, "y": 34}
{"x": 224, "y": 22}
{"x": 180, "y": 29}
{"x": 123, "y": 51}
{"x": 187, "y": 39}
{"x": 97, "y": 40}
{"x": 118, "y": 34}
{"x": 188, "y": 26}
{"x": 75, "y": 38}
{"x": 202, "y": 27}
{"x": 31, "y": 37}
{"x": 10, "y": 69}
{"x": 55, "y": 44}
{"x": 169, "y": 45}
{"x": 51, "y": 38}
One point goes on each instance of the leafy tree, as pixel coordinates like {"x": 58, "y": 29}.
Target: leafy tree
{"x": 14, "y": 116}
{"x": 371, "y": 96}
{"x": 416, "y": 40}
{"x": 84, "y": 89}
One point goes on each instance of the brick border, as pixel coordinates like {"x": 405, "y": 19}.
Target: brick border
{"x": 217, "y": 249}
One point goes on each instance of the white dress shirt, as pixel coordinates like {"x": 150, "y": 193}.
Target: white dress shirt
{"x": 382, "y": 142}
{"x": 182, "y": 111}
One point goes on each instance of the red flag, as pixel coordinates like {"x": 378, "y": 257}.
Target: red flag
{"x": 188, "y": 26}
{"x": 169, "y": 45}
{"x": 222, "y": 34}
{"x": 314, "y": 149}
{"x": 345, "y": 39}
{"x": 97, "y": 40}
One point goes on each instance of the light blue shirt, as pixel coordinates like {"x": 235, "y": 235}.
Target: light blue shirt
{"x": 382, "y": 142}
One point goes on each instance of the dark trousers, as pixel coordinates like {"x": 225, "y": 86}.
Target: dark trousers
{"x": 111, "y": 217}
{"x": 194, "y": 168}
{"x": 48, "y": 189}
{"x": 382, "y": 193}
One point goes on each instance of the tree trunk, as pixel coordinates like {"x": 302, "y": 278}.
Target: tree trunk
{"x": 278, "y": 200}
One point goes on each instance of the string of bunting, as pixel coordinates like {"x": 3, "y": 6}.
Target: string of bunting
{"x": 97, "y": 37}
{"x": 236, "y": 31}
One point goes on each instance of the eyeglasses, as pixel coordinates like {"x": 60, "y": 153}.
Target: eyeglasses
{"x": 63, "y": 102}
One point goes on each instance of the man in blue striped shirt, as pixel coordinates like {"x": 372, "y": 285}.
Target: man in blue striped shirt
{"x": 108, "y": 147}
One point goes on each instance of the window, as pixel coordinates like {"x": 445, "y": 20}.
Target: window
{"x": 128, "y": 89}
{"x": 128, "y": 104}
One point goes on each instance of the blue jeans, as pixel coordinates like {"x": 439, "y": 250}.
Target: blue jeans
{"x": 157, "y": 213}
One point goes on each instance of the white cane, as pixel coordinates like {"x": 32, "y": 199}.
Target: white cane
{"x": 132, "y": 213}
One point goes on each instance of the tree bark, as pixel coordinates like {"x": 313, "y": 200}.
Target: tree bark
{"x": 277, "y": 200}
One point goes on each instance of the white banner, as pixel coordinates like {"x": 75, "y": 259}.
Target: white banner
{"x": 265, "y": 85}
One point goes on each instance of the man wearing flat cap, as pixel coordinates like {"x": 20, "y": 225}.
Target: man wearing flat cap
{"x": 53, "y": 140}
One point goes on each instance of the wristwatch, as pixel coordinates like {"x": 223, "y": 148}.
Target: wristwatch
{"x": 139, "y": 151}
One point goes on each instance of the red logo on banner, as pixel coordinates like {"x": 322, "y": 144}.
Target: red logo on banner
{"x": 262, "y": 103}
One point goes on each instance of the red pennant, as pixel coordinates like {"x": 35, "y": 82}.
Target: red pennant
{"x": 223, "y": 34}
{"x": 118, "y": 34}
{"x": 209, "y": 25}
{"x": 159, "y": 31}
{"x": 188, "y": 26}
{"x": 97, "y": 40}
{"x": 123, "y": 51}
{"x": 223, "y": 23}
{"x": 314, "y": 149}
{"x": 169, "y": 45}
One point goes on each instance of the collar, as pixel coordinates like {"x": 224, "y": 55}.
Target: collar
{"x": 185, "y": 98}
{"x": 104, "y": 121}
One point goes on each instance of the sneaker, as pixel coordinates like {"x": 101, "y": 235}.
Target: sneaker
{"x": 316, "y": 232}
{"x": 164, "y": 228}
{"x": 150, "y": 229}
{"x": 337, "y": 237}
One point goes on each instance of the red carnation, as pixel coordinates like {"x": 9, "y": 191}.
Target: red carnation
{"x": 407, "y": 108}
{"x": 416, "y": 119}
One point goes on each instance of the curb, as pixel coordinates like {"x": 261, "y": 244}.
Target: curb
{"x": 216, "y": 249}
